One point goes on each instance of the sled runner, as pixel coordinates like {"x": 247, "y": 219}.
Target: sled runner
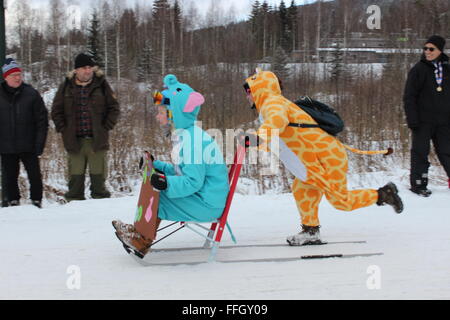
{"x": 291, "y": 254}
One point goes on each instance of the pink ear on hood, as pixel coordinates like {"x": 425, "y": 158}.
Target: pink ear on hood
{"x": 195, "y": 100}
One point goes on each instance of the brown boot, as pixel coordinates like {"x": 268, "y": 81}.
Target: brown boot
{"x": 389, "y": 195}
{"x": 122, "y": 227}
{"x": 136, "y": 241}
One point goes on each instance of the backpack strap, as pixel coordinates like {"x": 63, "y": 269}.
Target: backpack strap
{"x": 303, "y": 125}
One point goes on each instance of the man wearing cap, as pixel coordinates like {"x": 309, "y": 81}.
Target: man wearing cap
{"x": 84, "y": 110}
{"x": 23, "y": 133}
{"x": 427, "y": 106}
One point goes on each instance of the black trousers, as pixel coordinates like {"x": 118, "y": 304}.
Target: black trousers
{"x": 11, "y": 167}
{"x": 421, "y": 138}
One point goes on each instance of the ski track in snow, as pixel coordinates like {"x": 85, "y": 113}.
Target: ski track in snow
{"x": 38, "y": 247}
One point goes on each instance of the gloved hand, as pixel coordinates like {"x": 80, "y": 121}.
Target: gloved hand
{"x": 158, "y": 180}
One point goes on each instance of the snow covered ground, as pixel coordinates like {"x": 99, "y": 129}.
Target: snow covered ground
{"x": 44, "y": 252}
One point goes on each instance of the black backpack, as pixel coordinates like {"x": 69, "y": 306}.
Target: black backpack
{"x": 326, "y": 117}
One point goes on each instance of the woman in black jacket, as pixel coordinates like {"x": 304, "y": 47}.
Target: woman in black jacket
{"x": 23, "y": 132}
{"x": 427, "y": 107}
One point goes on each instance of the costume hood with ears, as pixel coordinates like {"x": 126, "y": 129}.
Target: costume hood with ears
{"x": 263, "y": 85}
{"x": 184, "y": 104}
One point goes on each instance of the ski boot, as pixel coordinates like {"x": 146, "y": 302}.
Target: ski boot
{"x": 122, "y": 227}
{"x": 308, "y": 236}
{"x": 389, "y": 195}
{"x": 136, "y": 242}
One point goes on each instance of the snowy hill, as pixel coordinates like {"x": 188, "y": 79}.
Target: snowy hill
{"x": 40, "y": 248}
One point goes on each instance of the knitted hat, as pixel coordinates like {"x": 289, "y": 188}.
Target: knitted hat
{"x": 10, "y": 67}
{"x": 83, "y": 60}
{"x": 438, "y": 41}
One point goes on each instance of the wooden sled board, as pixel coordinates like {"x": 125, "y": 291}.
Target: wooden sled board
{"x": 147, "y": 208}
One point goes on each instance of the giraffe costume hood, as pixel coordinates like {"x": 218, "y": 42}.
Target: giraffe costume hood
{"x": 317, "y": 160}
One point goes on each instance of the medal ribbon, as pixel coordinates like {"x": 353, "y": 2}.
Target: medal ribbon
{"x": 439, "y": 73}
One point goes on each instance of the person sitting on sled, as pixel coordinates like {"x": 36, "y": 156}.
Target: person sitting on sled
{"x": 195, "y": 187}
{"x": 317, "y": 159}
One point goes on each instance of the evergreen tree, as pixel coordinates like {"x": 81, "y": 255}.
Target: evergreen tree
{"x": 284, "y": 27}
{"x": 256, "y": 26}
{"x": 292, "y": 15}
{"x": 265, "y": 13}
{"x": 254, "y": 18}
{"x": 93, "y": 41}
{"x": 145, "y": 62}
{"x": 279, "y": 64}
{"x": 177, "y": 32}
{"x": 337, "y": 67}
{"x": 161, "y": 28}
{"x": 130, "y": 52}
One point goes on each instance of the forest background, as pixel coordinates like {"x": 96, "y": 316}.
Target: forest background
{"x": 214, "y": 52}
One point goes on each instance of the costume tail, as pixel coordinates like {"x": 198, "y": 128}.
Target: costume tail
{"x": 383, "y": 152}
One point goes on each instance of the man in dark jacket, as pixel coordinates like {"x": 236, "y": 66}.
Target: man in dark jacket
{"x": 84, "y": 110}
{"x": 23, "y": 132}
{"x": 427, "y": 107}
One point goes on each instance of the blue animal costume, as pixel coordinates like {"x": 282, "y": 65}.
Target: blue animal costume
{"x": 197, "y": 181}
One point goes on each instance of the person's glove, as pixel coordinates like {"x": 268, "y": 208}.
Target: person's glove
{"x": 158, "y": 180}
{"x": 249, "y": 140}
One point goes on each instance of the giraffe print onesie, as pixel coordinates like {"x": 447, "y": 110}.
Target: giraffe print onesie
{"x": 318, "y": 160}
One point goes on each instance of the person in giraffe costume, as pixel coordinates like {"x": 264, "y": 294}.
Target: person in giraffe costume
{"x": 317, "y": 159}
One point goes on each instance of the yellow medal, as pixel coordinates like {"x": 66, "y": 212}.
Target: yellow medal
{"x": 439, "y": 89}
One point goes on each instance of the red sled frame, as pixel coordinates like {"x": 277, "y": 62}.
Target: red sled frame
{"x": 217, "y": 228}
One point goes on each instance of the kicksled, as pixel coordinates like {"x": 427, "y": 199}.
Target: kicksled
{"x": 146, "y": 217}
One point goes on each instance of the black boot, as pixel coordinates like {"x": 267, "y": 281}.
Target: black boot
{"x": 419, "y": 186}
{"x": 76, "y": 188}
{"x": 98, "y": 189}
{"x": 37, "y": 203}
{"x": 14, "y": 203}
{"x": 389, "y": 195}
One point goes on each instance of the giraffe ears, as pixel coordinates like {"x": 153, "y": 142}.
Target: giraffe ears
{"x": 258, "y": 70}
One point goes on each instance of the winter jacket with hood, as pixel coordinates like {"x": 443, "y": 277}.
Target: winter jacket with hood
{"x": 105, "y": 112}
{"x": 422, "y": 102}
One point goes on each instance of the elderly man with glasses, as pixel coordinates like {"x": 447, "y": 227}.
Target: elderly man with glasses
{"x": 427, "y": 106}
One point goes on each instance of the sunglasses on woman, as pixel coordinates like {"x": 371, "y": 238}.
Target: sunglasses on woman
{"x": 431, "y": 49}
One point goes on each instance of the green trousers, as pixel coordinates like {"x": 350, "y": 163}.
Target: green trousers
{"x": 78, "y": 163}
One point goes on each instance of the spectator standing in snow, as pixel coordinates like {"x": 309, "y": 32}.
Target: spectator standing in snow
{"x": 427, "y": 106}
{"x": 23, "y": 133}
{"x": 85, "y": 109}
